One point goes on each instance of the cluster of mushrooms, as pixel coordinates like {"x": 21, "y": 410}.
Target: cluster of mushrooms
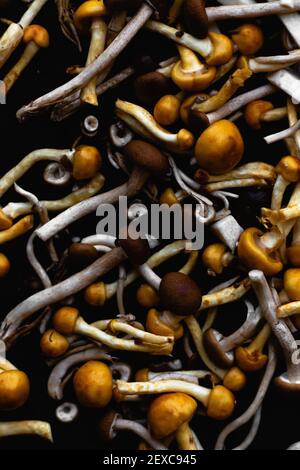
{"x": 177, "y": 140}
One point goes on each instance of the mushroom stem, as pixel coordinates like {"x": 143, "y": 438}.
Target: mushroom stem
{"x": 18, "y": 428}
{"x": 150, "y": 276}
{"x": 30, "y": 51}
{"x": 127, "y": 425}
{"x": 243, "y": 333}
{"x": 242, "y": 183}
{"x": 149, "y": 338}
{"x": 250, "y": 11}
{"x": 226, "y": 295}
{"x": 16, "y": 230}
{"x": 270, "y": 139}
{"x": 258, "y": 344}
{"x": 110, "y": 53}
{"x": 185, "y": 438}
{"x": 252, "y": 433}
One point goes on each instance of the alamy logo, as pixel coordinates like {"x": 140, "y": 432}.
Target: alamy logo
{"x": 2, "y": 93}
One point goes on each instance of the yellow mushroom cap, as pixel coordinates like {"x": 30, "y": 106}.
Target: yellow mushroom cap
{"x": 38, "y": 34}
{"x": 291, "y": 283}
{"x": 235, "y": 379}
{"x": 88, "y": 11}
{"x": 168, "y": 197}
{"x": 220, "y": 147}
{"x": 14, "y": 389}
{"x": 293, "y": 255}
{"x": 155, "y": 325}
{"x": 86, "y": 162}
{"x": 4, "y": 265}
{"x": 221, "y": 403}
{"x": 168, "y": 412}
{"x": 146, "y": 296}
{"x": 254, "y": 112}
{"x": 53, "y": 344}
{"x": 95, "y": 294}
{"x": 93, "y": 384}
{"x": 222, "y": 50}
{"x": 64, "y": 320}
{"x": 249, "y": 38}
{"x": 193, "y": 80}
{"x": 166, "y": 110}
{"x": 142, "y": 375}
{"x": 212, "y": 257}
{"x": 250, "y": 361}
{"x": 289, "y": 168}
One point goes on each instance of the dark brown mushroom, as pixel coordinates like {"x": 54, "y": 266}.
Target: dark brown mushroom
{"x": 81, "y": 255}
{"x": 147, "y": 156}
{"x": 138, "y": 251}
{"x": 180, "y": 294}
{"x": 195, "y": 18}
{"x": 150, "y": 87}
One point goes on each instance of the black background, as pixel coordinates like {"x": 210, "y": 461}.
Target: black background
{"x": 279, "y": 426}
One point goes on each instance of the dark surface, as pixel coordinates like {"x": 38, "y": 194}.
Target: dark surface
{"x": 280, "y": 413}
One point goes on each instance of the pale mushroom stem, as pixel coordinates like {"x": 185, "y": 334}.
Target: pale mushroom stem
{"x": 252, "y": 433}
{"x": 150, "y": 276}
{"x": 18, "y": 428}
{"x": 278, "y": 192}
{"x": 226, "y": 295}
{"x": 30, "y": 51}
{"x": 244, "y": 332}
{"x": 271, "y": 240}
{"x": 250, "y": 11}
{"x": 271, "y": 139}
{"x": 185, "y": 438}
{"x": 138, "y": 429}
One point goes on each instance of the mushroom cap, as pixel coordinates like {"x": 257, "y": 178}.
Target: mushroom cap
{"x": 222, "y": 49}
{"x": 150, "y": 87}
{"x": 138, "y": 251}
{"x": 211, "y": 340}
{"x": 168, "y": 197}
{"x": 180, "y": 294}
{"x": 168, "y": 412}
{"x": 155, "y": 325}
{"x": 293, "y": 255}
{"x": 191, "y": 81}
{"x": 250, "y": 361}
{"x": 147, "y": 156}
{"x": 235, "y": 379}
{"x": 249, "y": 38}
{"x": 212, "y": 257}
{"x": 95, "y": 294}
{"x": 286, "y": 385}
{"x": 289, "y": 168}
{"x": 64, "y": 320}
{"x": 37, "y": 34}
{"x": 53, "y": 344}
{"x": 93, "y": 384}
{"x": 254, "y": 256}
{"x": 4, "y": 265}
{"x": 142, "y": 375}
{"x": 166, "y": 110}
{"x": 88, "y": 11}
{"x": 195, "y": 18}
{"x": 146, "y": 296}
{"x": 221, "y": 403}
{"x": 87, "y": 161}
{"x": 291, "y": 283}
{"x": 186, "y": 105}
{"x": 106, "y": 425}
{"x": 220, "y": 147}
{"x": 14, "y": 389}
{"x": 185, "y": 139}
{"x": 5, "y": 221}
{"x": 81, "y": 255}
{"x": 254, "y": 112}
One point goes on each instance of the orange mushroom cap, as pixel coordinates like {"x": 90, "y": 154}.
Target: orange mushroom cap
{"x": 14, "y": 389}
{"x": 86, "y": 162}
{"x": 88, "y": 11}
{"x": 254, "y": 112}
{"x": 291, "y": 283}
{"x": 65, "y": 319}
{"x": 37, "y": 34}
{"x": 93, "y": 384}
{"x": 221, "y": 403}
{"x": 249, "y": 38}
{"x": 53, "y": 344}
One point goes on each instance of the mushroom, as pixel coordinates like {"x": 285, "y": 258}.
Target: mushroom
{"x": 216, "y": 257}
{"x": 166, "y": 110}
{"x": 4, "y": 265}
{"x": 249, "y": 38}
{"x": 14, "y": 386}
{"x": 86, "y": 162}
{"x": 195, "y": 18}
{"x": 35, "y": 37}
{"x": 251, "y": 358}
{"x": 53, "y": 344}
{"x": 249, "y": 10}
{"x": 220, "y": 147}
{"x": 258, "y": 250}
{"x": 219, "y": 401}
{"x": 112, "y": 422}
{"x": 170, "y": 414}
{"x": 89, "y": 17}
{"x": 17, "y": 230}
{"x": 93, "y": 384}
{"x": 255, "y": 111}
{"x": 288, "y": 171}
{"x": 22, "y": 428}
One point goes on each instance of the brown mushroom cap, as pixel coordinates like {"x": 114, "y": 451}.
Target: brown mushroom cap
{"x": 150, "y": 87}
{"x": 14, "y": 389}
{"x": 53, "y": 344}
{"x": 147, "y": 156}
{"x": 221, "y": 403}
{"x": 138, "y": 251}
{"x": 211, "y": 340}
{"x": 289, "y": 168}
{"x": 168, "y": 412}
{"x": 293, "y": 255}
{"x": 212, "y": 257}
{"x": 65, "y": 319}
{"x": 93, "y": 384}
{"x": 86, "y": 162}
{"x": 286, "y": 385}
{"x": 81, "y": 255}
{"x": 142, "y": 375}
{"x": 37, "y": 34}
{"x": 195, "y": 18}
{"x": 254, "y": 112}
{"x": 180, "y": 294}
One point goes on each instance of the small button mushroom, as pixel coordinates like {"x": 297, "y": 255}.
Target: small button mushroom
{"x": 216, "y": 257}
{"x": 195, "y": 18}
{"x": 249, "y": 38}
{"x": 291, "y": 283}
{"x": 137, "y": 250}
{"x": 222, "y": 49}
{"x": 254, "y": 112}
{"x": 14, "y": 389}
{"x": 53, "y": 344}
{"x": 93, "y": 384}
{"x": 220, "y": 147}
{"x": 150, "y": 87}
{"x": 258, "y": 250}
{"x": 166, "y": 110}
{"x": 288, "y": 171}
{"x": 180, "y": 294}
{"x": 146, "y": 296}
{"x": 251, "y": 358}
{"x": 189, "y": 74}
{"x": 235, "y": 379}
{"x": 4, "y": 265}
{"x": 86, "y": 162}
{"x": 81, "y": 255}
{"x": 95, "y": 294}
{"x": 147, "y": 156}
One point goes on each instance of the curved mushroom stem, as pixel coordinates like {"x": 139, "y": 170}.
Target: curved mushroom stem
{"x": 185, "y": 438}
{"x": 30, "y": 51}
{"x": 226, "y": 295}
{"x": 282, "y": 217}
{"x": 149, "y": 338}
{"x": 252, "y": 433}
{"x": 278, "y": 192}
{"x": 121, "y": 424}
{"x": 244, "y": 332}
{"x": 17, "y": 230}
{"x": 18, "y": 428}
{"x": 270, "y": 139}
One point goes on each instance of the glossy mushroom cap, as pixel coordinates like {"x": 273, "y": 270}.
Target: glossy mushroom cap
{"x": 220, "y": 147}
{"x": 212, "y": 257}
{"x": 180, "y": 294}
{"x": 155, "y": 325}
{"x": 147, "y": 156}
{"x": 291, "y": 283}
{"x": 106, "y": 426}
{"x": 138, "y": 251}
{"x": 86, "y": 162}
{"x": 146, "y": 296}
{"x": 254, "y": 256}
{"x": 250, "y": 361}
{"x": 88, "y": 11}
{"x": 222, "y": 49}
{"x": 249, "y": 38}
{"x": 150, "y": 87}
{"x": 235, "y": 379}
{"x": 37, "y": 34}
{"x": 4, "y": 265}
{"x": 221, "y": 403}
{"x": 211, "y": 340}
{"x": 168, "y": 412}
{"x": 14, "y": 389}
{"x": 81, "y": 255}
{"x": 254, "y": 112}
{"x": 189, "y": 74}
{"x": 93, "y": 384}
{"x": 289, "y": 168}
{"x": 195, "y": 18}
{"x": 95, "y": 294}
{"x": 166, "y": 110}
{"x": 286, "y": 385}
{"x": 64, "y": 320}
{"x": 53, "y": 344}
